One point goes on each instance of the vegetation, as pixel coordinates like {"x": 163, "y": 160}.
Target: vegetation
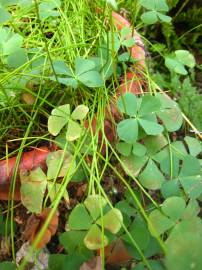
{"x": 100, "y": 162}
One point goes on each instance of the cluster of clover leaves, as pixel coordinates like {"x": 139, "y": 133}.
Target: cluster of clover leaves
{"x": 171, "y": 167}
{"x": 91, "y": 226}
{"x": 143, "y": 142}
{"x": 58, "y": 162}
{"x": 158, "y": 164}
{"x": 35, "y": 183}
{"x": 89, "y": 223}
{"x": 94, "y": 71}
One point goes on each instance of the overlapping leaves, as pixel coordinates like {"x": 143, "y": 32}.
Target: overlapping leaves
{"x": 93, "y": 71}
{"x": 5, "y": 15}
{"x": 183, "y": 168}
{"x": 138, "y": 230}
{"x": 85, "y": 222}
{"x": 9, "y": 42}
{"x": 85, "y": 73}
{"x": 184, "y": 230}
{"x": 11, "y": 50}
{"x": 143, "y": 114}
{"x": 49, "y": 9}
{"x": 179, "y": 60}
{"x": 164, "y": 162}
{"x": 35, "y": 182}
{"x": 142, "y": 121}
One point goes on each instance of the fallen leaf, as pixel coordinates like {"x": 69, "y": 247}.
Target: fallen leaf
{"x": 34, "y": 225}
{"x": 5, "y": 195}
{"x": 94, "y": 264}
{"x": 28, "y": 98}
{"x": 111, "y": 112}
{"x": 131, "y": 84}
{"x": 108, "y": 129}
{"x": 29, "y": 161}
{"x": 33, "y": 187}
{"x": 137, "y": 50}
{"x": 116, "y": 253}
{"x": 57, "y": 159}
{"x": 53, "y": 225}
{"x": 81, "y": 190}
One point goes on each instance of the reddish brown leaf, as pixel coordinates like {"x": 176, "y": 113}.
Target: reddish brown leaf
{"x": 28, "y": 98}
{"x": 111, "y": 112}
{"x": 116, "y": 253}
{"x": 53, "y": 225}
{"x": 94, "y": 264}
{"x": 81, "y": 190}
{"x": 119, "y": 21}
{"x": 4, "y": 192}
{"x": 29, "y": 161}
{"x": 34, "y": 225}
{"x": 108, "y": 129}
{"x": 44, "y": 240}
{"x": 137, "y": 51}
{"x": 131, "y": 84}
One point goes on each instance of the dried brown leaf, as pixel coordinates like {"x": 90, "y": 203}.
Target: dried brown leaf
{"x": 116, "y": 253}
{"x": 34, "y": 225}
{"x": 5, "y": 195}
{"x": 94, "y": 264}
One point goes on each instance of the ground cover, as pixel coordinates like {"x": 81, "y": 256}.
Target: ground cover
{"x": 100, "y": 135}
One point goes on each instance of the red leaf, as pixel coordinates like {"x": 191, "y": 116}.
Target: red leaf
{"x": 4, "y": 192}
{"x": 108, "y": 129}
{"x": 131, "y": 84}
{"x": 94, "y": 264}
{"x": 119, "y": 21}
{"x": 137, "y": 51}
{"x": 116, "y": 253}
{"x": 29, "y": 161}
{"x": 34, "y": 225}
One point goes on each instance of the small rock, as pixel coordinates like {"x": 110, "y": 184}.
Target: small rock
{"x": 38, "y": 260}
